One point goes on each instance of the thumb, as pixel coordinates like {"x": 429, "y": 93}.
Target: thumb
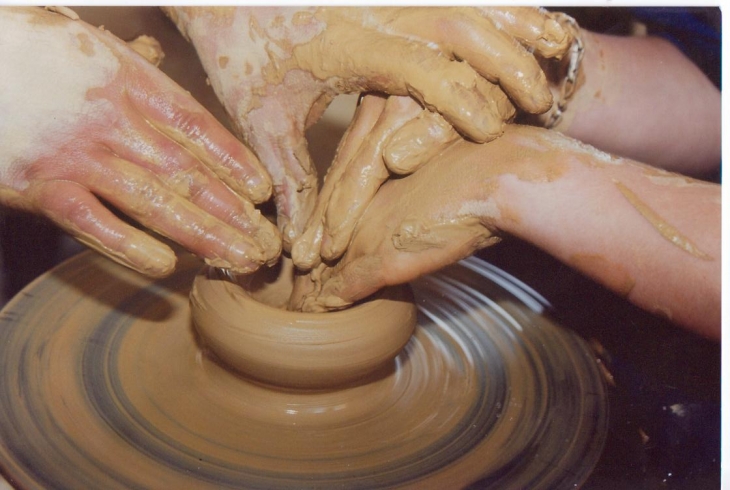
{"x": 351, "y": 282}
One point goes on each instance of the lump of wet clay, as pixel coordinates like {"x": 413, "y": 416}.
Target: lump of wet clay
{"x": 149, "y": 48}
{"x": 242, "y": 321}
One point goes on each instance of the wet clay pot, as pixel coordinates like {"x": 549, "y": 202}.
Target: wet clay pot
{"x": 242, "y": 321}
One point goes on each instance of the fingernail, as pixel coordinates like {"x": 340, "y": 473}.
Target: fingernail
{"x": 399, "y": 151}
{"x": 403, "y": 155}
{"x": 152, "y": 259}
{"x": 258, "y": 189}
{"x": 554, "y": 34}
{"x": 269, "y": 239}
{"x": 242, "y": 257}
{"x": 487, "y": 129}
{"x": 305, "y": 250}
{"x": 331, "y": 249}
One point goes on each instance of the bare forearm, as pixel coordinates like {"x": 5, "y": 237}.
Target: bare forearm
{"x": 648, "y": 235}
{"x": 640, "y": 97}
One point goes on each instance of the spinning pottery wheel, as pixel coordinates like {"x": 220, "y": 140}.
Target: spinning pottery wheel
{"x": 104, "y": 385}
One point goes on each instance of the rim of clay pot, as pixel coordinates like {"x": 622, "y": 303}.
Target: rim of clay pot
{"x": 295, "y": 349}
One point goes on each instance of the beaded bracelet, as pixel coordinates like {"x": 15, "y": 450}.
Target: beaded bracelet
{"x": 567, "y": 88}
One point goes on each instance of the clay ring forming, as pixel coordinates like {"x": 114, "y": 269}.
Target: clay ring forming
{"x": 235, "y": 320}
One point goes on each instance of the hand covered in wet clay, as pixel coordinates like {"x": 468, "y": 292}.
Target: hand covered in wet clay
{"x": 413, "y": 226}
{"x": 87, "y": 121}
{"x": 393, "y": 136}
{"x": 277, "y": 69}
{"x": 646, "y": 234}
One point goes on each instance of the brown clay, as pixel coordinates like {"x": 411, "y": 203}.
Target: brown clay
{"x": 161, "y": 407}
{"x": 118, "y": 393}
{"x": 666, "y": 230}
{"x": 243, "y": 321}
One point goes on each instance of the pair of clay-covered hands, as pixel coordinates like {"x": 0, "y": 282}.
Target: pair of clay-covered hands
{"x": 88, "y": 124}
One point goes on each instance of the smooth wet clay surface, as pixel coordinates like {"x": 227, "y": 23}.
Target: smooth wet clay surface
{"x": 243, "y": 321}
{"x": 117, "y": 392}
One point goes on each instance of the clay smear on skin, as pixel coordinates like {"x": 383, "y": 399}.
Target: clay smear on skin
{"x": 416, "y": 233}
{"x": 277, "y": 47}
{"x": 415, "y": 236}
{"x": 663, "y": 177}
{"x": 669, "y": 232}
{"x": 61, "y": 39}
{"x": 419, "y": 232}
{"x": 561, "y": 145}
{"x": 85, "y": 44}
{"x": 149, "y": 48}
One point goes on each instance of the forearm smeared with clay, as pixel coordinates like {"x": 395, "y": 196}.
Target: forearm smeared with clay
{"x": 393, "y": 135}
{"x": 646, "y": 234}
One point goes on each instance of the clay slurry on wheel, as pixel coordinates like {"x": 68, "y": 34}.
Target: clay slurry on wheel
{"x": 116, "y": 392}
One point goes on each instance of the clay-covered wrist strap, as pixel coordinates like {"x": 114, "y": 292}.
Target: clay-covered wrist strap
{"x": 568, "y": 86}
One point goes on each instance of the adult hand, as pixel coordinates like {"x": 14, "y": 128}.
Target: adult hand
{"x": 87, "y": 121}
{"x": 646, "y": 234}
{"x": 277, "y": 69}
{"x": 413, "y": 226}
{"x": 361, "y": 165}
{"x": 393, "y": 136}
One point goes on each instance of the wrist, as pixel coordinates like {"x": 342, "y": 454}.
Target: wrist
{"x": 567, "y": 81}
{"x": 570, "y": 67}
